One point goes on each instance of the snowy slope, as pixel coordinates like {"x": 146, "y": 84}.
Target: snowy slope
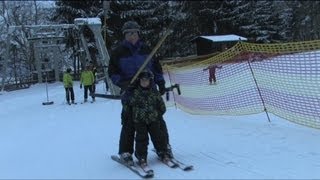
{"x": 75, "y": 142}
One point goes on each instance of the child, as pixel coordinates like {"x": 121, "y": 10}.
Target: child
{"x": 212, "y": 73}
{"x": 147, "y": 105}
{"x": 68, "y": 85}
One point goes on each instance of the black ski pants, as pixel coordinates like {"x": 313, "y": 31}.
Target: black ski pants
{"x": 69, "y": 92}
{"x": 127, "y": 134}
{"x": 85, "y": 91}
{"x": 142, "y": 138}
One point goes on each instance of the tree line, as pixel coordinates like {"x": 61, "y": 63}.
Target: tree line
{"x": 261, "y": 21}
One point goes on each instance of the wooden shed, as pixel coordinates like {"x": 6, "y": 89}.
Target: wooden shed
{"x": 216, "y": 43}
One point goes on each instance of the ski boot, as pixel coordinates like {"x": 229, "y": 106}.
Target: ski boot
{"x": 142, "y": 162}
{"x": 164, "y": 156}
{"x": 169, "y": 151}
{"x": 127, "y": 158}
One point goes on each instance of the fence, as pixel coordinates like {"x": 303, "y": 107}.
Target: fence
{"x": 283, "y": 79}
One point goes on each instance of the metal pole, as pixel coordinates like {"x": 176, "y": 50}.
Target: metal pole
{"x": 47, "y": 86}
{"x": 255, "y": 81}
{"x": 48, "y": 102}
{"x": 106, "y": 7}
{"x": 174, "y": 99}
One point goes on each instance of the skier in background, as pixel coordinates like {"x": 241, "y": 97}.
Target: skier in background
{"x": 212, "y": 73}
{"x": 68, "y": 85}
{"x": 87, "y": 80}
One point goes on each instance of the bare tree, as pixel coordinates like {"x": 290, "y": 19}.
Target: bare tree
{"x": 18, "y": 60}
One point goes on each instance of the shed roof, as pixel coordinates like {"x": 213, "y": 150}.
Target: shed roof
{"x": 222, "y": 38}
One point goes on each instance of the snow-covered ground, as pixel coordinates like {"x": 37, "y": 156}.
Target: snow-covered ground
{"x": 75, "y": 142}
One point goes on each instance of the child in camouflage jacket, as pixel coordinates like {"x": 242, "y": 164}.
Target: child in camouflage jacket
{"x": 147, "y": 105}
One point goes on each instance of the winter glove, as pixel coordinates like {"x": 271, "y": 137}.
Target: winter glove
{"x": 162, "y": 88}
{"x": 80, "y": 86}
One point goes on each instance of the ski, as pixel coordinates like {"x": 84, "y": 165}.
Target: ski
{"x": 145, "y": 172}
{"x": 107, "y": 96}
{"x": 174, "y": 163}
{"x": 84, "y": 102}
{"x": 169, "y": 163}
{"x": 181, "y": 165}
{"x": 146, "y": 169}
{"x": 72, "y": 103}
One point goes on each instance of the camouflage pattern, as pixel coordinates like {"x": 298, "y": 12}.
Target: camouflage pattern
{"x": 147, "y": 105}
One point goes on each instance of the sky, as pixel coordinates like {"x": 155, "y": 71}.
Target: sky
{"x": 75, "y": 142}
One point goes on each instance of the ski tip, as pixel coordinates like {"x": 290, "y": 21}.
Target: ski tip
{"x": 114, "y": 157}
{"x": 148, "y": 176}
{"x": 188, "y": 168}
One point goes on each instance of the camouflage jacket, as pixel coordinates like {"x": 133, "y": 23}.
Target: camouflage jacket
{"x": 147, "y": 105}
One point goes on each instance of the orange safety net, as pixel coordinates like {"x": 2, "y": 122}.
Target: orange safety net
{"x": 283, "y": 79}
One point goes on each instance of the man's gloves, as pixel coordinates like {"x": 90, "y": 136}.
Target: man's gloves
{"x": 80, "y": 86}
{"x": 162, "y": 87}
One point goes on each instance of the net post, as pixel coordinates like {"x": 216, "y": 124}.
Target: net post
{"x": 255, "y": 81}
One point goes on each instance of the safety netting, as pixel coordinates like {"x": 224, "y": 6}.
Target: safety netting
{"x": 282, "y": 79}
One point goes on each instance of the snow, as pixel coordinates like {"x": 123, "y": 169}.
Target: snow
{"x": 222, "y": 38}
{"x": 75, "y": 142}
{"x": 82, "y": 21}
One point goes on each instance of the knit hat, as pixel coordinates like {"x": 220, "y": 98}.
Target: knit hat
{"x": 130, "y": 26}
{"x": 146, "y": 74}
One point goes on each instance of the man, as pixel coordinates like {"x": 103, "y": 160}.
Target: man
{"x": 125, "y": 61}
{"x": 87, "y": 79}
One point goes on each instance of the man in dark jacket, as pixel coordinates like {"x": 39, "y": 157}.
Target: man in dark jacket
{"x": 125, "y": 61}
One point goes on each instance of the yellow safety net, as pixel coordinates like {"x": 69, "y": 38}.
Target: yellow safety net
{"x": 283, "y": 79}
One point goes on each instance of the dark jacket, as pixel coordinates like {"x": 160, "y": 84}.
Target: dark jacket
{"x": 147, "y": 105}
{"x": 125, "y": 61}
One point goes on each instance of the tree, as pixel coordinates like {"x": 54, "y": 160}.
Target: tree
{"x": 305, "y": 20}
{"x": 19, "y": 13}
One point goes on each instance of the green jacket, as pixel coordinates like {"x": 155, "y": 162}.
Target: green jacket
{"x": 87, "y": 78}
{"x": 147, "y": 105}
{"x": 67, "y": 80}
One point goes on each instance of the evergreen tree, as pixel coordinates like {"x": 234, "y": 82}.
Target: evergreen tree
{"x": 67, "y": 11}
{"x": 263, "y": 21}
{"x": 306, "y": 19}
